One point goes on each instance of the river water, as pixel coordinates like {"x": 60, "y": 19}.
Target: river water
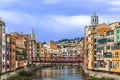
{"x": 61, "y": 73}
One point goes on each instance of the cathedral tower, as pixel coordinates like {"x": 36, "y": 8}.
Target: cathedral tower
{"x": 94, "y": 19}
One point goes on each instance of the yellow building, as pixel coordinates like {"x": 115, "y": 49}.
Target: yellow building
{"x": 90, "y": 48}
{"x": 89, "y": 42}
{"x": 100, "y": 60}
{"x": 115, "y": 64}
{"x": 108, "y": 49}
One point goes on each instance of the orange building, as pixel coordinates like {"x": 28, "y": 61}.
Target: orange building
{"x": 115, "y": 63}
{"x": 89, "y": 42}
{"x": 22, "y": 42}
{"x": 20, "y": 57}
{"x": 52, "y": 45}
{"x": 51, "y": 49}
{"x": 12, "y": 46}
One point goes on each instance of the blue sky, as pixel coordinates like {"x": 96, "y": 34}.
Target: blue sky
{"x": 56, "y": 19}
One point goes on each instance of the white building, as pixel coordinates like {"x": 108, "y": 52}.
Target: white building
{"x": 2, "y": 47}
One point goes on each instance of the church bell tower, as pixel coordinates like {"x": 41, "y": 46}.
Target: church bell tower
{"x": 94, "y": 19}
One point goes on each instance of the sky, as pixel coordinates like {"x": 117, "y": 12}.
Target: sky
{"x": 56, "y": 19}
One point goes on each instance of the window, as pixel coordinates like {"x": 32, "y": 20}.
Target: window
{"x": 95, "y": 65}
{"x": 110, "y": 33}
{"x": 95, "y": 58}
{"x": 110, "y": 39}
{"x": 95, "y": 20}
{"x": 3, "y": 47}
{"x": 117, "y": 31}
{"x": 116, "y": 55}
{"x": 8, "y": 66}
{"x": 95, "y": 40}
{"x": 117, "y": 64}
{"x": 94, "y": 52}
{"x": 3, "y": 66}
{"x": 118, "y": 37}
{"x": 95, "y": 46}
{"x": 102, "y": 41}
{"x": 110, "y": 64}
{"x": 108, "y": 55}
{"x": 110, "y": 47}
{"x": 3, "y": 56}
{"x": 3, "y": 30}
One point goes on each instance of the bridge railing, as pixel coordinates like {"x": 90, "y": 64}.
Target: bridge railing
{"x": 62, "y": 59}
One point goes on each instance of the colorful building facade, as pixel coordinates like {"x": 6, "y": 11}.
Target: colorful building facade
{"x": 2, "y": 47}
{"x": 102, "y": 46}
{"x": 10, "y": 53}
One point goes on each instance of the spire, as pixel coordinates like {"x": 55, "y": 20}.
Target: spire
{"x": 32, "y": 35}
{"x": 94, "y": 14}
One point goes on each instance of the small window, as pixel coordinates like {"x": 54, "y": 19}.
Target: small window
{"x": 118, "y": 37}
{"x": 95, "y": 20}
{"x": 117, "y": 31}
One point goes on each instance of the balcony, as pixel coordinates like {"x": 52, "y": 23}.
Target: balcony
{"x": 116, "y": 56}
{"x": 102, "y": 41}
{"x": 109, "y": 33}
{"x": 115, "y": 59}
{"x": 116, "y": 46}
{"x": 108, "y": 55}
{"x": 99, "y": 57}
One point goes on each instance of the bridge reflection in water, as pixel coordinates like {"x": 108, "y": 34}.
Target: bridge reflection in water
{"x": 55, "y": 73}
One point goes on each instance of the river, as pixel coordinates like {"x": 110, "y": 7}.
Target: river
{"x": 61, "y": 73}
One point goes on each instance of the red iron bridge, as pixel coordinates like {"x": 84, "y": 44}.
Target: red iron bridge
{"x": 57, "y": 60}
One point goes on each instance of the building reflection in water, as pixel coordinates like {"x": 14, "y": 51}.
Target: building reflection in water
{"x": 53, "y": 73}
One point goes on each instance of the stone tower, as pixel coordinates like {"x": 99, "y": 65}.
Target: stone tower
{"x": 94, "y": 19}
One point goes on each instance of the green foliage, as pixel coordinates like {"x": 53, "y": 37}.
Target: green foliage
{"x": 19, "y": 78}
{"x": 93, "y": 78}
{"x": 26, "y": 73}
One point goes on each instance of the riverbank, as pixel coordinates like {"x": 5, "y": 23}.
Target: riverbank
{"x": 101, "y": 75}
{"x": 5, "y": 76}
{"x": 22, "y": 75}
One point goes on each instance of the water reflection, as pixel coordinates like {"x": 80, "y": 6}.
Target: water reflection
{"x": 55, "y": 73}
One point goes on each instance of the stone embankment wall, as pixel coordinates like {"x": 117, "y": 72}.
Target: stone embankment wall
{"x": 102, "y": 74}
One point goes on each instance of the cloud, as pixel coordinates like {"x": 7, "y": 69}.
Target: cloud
{"x": 58, "y": 24}
{"x": 115, "y": 9}
{"x": 115, "y": 2}
{"x": 53, "y": 19}
{"x": 18, "y": 21}
{"x": 16, "y": 17}
{"x": 52, "y": 1}
{"x": 63, "y": 23}
{"x": 6, "y": 2}
{"x": 107, "y": 2}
